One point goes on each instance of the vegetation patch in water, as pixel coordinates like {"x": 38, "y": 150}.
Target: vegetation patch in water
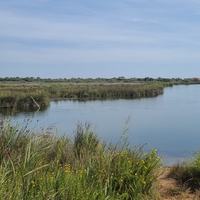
{"x": 32, "y": 92}
{"x": 29, "y": 96}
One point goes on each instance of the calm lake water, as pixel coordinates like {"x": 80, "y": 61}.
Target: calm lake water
{"x": 169, "y": 122}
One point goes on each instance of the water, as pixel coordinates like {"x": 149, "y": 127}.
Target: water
{"x": 169, "y": 122}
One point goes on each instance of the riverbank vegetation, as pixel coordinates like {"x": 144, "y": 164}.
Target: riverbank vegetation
{"x": 29, "y": 92}
{"x": 26, "y": 95}
{"x": 44, "y": 166}
{"x": 187, "y": 174}
{"x": 41, "y": 165}
{"x": 181, "y": 181}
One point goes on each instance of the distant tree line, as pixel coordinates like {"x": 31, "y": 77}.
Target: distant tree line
{"x": 120, "y": 79}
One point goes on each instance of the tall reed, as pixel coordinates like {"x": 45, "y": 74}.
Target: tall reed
{"x": 30, "y": 96}
{"x": 44, "y": 166}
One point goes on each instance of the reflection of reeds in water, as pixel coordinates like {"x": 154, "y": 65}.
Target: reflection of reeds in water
{"x": 23, "y": 102}
{"x": 15, "y": 111}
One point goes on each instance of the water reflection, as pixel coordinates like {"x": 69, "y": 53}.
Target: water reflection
{"x": 19, "y": 111}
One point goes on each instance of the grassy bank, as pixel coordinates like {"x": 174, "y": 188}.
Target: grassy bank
{"x": 187, "y": 174}
{"x": 41, "y": 165}
{"x": 44, "y": 166}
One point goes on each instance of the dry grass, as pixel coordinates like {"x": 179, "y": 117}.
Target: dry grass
{"x": 170, "y": 189}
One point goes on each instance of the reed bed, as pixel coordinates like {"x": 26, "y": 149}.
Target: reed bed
{"x": 41, "y": 165}
{"x": 22, "y": 95}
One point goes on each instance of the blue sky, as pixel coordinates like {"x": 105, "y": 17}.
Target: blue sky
{"x": 101, "y": 38}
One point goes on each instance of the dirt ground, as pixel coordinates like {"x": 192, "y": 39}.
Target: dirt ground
{"x": 170, "y": 190}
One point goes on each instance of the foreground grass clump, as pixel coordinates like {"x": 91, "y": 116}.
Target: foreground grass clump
{"x": 45, "y": 166}
{"x": 187, "y": 174}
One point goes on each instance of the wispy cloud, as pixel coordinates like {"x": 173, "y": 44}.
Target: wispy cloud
{"x": 131, "y": 31}
{"x": 19, "y": 27}
{"x": 82, "y": 31}
{"x": 58, "y": 55}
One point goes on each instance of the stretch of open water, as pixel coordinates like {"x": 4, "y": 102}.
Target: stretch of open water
{"x": 169, "y": 122}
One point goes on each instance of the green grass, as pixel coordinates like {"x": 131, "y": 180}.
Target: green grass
{"x": 44, "y": 166}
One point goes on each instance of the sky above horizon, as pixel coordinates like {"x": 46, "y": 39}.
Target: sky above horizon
{"x": 90, "y": 39}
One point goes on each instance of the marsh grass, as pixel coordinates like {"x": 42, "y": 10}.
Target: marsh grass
{"x": 187, "y": 174}
{"x": 44, "y": 166}
{"x": 20, "y": 96}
